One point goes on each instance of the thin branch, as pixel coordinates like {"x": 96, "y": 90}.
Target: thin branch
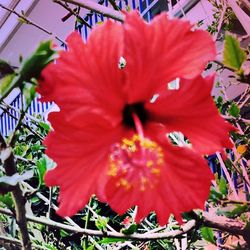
{"x": 28, "y": 21}
{"x": 72, "y": 12}
{"x": 114, "y": 5}
{"x": 19, "y": 158}
{"x": 143, "y": 237}
{"x": 17, "y": 242}
{"x": 106, "y": 11}
{"x": 231, "y": 226}
{"x": 23, "y": 124}
{"x": 220, "y": 23}
{"x": 19, "y": 123}
{"x": 10, "y": 240}
{"x": 17, "y": 195}
{"x": 222, "y": 65}
{"x": 224, "y": 202}
{"x": 46, "y": 200}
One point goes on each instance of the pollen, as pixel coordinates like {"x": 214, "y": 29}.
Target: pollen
{"x": 136, "y": 163}
{"x": 113, "y": 170}
{"x": 155, "y": 171}
{"x": 123, "y": 183}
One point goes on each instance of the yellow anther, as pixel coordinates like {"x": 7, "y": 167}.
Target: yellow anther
{"x": 144, "y": 181}
{"x": 135, "y": 138}
{"x": 127, "y": 142}
{"x": 155, "y": 171}
{"x": 148, "y": 144}
{"x": 112, "y": 170}
{"x": 160, "y": 161}
{"x": 125, "y": 183}
{"x": 149, "y": 164}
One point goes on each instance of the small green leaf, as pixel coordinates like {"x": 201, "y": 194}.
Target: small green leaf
{"x": 6, "y": 83}
{"x": 29, "y": 93}
{"x": 101, "y": 222}
{"x": 234, "y": 110}
{"x": 92, "y": 247}
{"x": 110, "y": 240}
{"x": 45, "y": 126}
{"x": 132, "y": 228}
{"x": 43, "y": 165}
{"x": 33, "y": 65}
{"x": 5, "y": 68}
{"x": 233, "y": 55}
{"x": 235, "y": 212}
{"x": 7, "y": 200}
{"x": 23, "y": 20}
{"x": 63, "y": 233}
{"x": 223, "y": 186}
{"x": 215, "y": 196}
{"x": 208, "y": 234}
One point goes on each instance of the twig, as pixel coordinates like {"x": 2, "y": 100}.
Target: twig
{"x": 72, "y": 12}
{"x": 7, "y": 106}
{"x": 17, "y": 195}
{"x": 10, "y": 240}
{"x": 19, "y": 158}
{"x": 87, "y": 4}
{"x": 222, "y": 65}
{"x": 223, "y": 166}
{"x": 220, "y": 23}
{"x": 231, "y": 226}
{"x": 235, "y": 202}
{"x": 45, "y": 199}
{"x": 17, "y": 242}
{"x": 143, "y": 237}
{"x": 112, "y": 2}
{"x": 19, "y": 123}
{"x": 23, "y": 124}
{"x": 96, "y": 216}
{"x": 28, "y": 21}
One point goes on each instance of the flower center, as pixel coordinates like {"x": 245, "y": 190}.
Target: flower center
{"x": 136, "y": 163}
{"x": 137, "y": 109}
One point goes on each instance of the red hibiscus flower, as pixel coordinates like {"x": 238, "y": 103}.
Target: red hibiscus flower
{"x": 110, "y": 137}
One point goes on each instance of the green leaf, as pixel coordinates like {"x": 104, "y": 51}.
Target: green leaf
{"x": 233, "y": 55}
{"x": 6, "y": 83}
{"x": 5, "y": 68}
{"x": 208, "y": 234}
{"x": 63, "y": 233}
{"x": 23, "y": 20}
{"x": 132, "y": 228}
{"x": 45, "y": 126}
{"x": 92, "y": 247}
{"x": 101, "y": 222}
{"x": 223, "y": 186}
{"x": 237, "y": 211}
{"x": 7, "y": 200}
{"x": 234, "y": 110}
{"x": 29, "y": 93}
{"x": 110, "y": 240}
{"x": 214, "y": 195}
{"x": 43, "y": 165}
{"x": 33, "y": 65}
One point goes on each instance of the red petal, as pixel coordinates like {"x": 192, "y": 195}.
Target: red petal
{"x": 191, "y": 110}
{"x": 86, "y": 76}
{"x": 81, "y": 155}
{"x": 158, "y": 52}
{"x": 184, "y": 183}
